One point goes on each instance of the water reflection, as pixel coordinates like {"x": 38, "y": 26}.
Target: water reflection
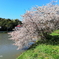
{"x": 7, "y": 49}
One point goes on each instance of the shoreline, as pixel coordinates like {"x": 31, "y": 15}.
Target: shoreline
{"x": 5, "y": 31}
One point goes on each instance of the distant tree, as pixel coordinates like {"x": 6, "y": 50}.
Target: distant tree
{"x": 8, "y": 24}
{"x": 17, "y": 22}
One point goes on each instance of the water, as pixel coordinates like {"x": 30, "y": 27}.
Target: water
{"x": 7, "y": 49}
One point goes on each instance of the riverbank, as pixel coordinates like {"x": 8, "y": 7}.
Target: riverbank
{"x": 41, "y": 51}
{"x": 44, "y": 50}
{"x": 5, "y": 31}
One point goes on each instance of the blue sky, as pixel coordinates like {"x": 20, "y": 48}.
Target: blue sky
{"x": 14, "y": 8}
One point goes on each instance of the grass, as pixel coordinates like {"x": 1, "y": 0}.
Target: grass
{"x": 55, "y": 33}
{"x": 44, "y": 50}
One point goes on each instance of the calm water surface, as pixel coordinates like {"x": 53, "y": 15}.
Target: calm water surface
{"x": 7, "y": 49}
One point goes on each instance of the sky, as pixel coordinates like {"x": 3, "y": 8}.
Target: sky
{"x": 14, "y": 8}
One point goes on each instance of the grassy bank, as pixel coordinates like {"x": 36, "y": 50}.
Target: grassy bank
{"x": 44, "y": 50}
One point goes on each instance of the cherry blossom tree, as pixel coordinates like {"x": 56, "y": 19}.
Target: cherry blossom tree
{"x": 37, "y": 23}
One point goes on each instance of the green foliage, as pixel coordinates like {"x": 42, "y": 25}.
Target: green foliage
{"x": 8, "y": 24}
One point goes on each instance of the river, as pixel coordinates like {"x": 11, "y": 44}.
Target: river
{"x": 7, "y": 49}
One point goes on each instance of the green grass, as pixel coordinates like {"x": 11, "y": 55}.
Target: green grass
{"x": 43, "y": 50}
{"x": 55, "y": 33}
